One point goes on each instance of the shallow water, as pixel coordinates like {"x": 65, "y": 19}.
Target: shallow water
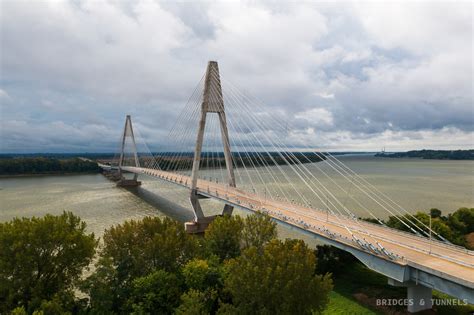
{"x": 414, "y": 184}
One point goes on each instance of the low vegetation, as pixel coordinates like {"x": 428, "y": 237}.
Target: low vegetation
{"x": 39, "y": 165}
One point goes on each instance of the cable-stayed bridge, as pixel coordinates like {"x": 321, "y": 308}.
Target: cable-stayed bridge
{"x": 238, "y": 154}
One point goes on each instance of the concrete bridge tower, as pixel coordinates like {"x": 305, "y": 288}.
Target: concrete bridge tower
{"x": 128, "y": 131}
{"x": 212, "y": 103}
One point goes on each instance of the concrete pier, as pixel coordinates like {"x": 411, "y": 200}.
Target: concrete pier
{"x": 200, "y": 226}
{"x": 128, "y": 183}
{"x": 419, "y": 297}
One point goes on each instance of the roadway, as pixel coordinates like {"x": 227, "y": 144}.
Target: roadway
{"x": 453, "y": 262}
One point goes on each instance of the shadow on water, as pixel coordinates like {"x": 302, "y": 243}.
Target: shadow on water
{"x": 165, "y": 206}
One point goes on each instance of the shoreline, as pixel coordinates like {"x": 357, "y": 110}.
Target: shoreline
{"x": 46, "y": 174}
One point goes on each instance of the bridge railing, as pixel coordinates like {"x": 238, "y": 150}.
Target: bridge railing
{"x": 322, "y": 231}
{"x": 418, "y": 237}
{"x": 365, "y": 245}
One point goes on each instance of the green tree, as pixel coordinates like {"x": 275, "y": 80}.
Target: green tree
{"x": 435, "y": 213}
{"x": 41, "y": 257}
{"x": 462, "y": 220}
{"x": 279, "y": 280}
{"x": 204, "y": 280}
{"x": 19, "y": 311}
{"x": 195, "y": 302}
{"x": 423, "y": 222}
{"x": 138, "y": 247}
{"x": 52, "y": 307}
{"x": 157, "y": 293}
{"x": 104, "y": 288}
{"x": 40, "y": 165}
{"x": 202, "y": 274}
{"x": 223, "y": 237}
{"x": 258, "y": 229}
{"x": 132, "y": 250}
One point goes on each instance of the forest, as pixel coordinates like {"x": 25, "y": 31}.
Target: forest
{"x": 42, "y": 165}
{"x": 432, "y": 154}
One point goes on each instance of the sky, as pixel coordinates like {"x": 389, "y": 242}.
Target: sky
{"x": 346, "y": 76}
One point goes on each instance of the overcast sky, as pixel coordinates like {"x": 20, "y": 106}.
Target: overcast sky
{"x": 346, "y": 76}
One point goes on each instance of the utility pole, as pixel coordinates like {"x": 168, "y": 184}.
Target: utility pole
{"x": 327, "y": 209}
{"x": 430, "y": 233}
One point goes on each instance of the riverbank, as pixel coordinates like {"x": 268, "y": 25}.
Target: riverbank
{"x": 46, "y": 166}
{"x": 432, "y": 154}
{"x": 46, "y": 174}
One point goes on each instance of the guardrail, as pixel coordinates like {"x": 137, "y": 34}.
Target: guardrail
{"x": 362, "y": 244}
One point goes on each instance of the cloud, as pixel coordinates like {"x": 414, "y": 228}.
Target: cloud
{"x": 341, "y": 75}
{"x": 4, "y": 95}
{"x": 317, "y": 116}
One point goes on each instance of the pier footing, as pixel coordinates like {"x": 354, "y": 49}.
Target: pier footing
{"x": 200, "y": 226}
{"x": 128, "y": 183}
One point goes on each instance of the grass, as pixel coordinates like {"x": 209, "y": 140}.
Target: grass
{"x": 357, "y": 289}
{"x": 342, "y": 305}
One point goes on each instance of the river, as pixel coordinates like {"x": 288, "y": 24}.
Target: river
{"x": 416, "y": 184}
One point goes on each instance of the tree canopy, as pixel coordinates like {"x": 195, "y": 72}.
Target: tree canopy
{"x": 455, "y": 227}
{"x": 41, "y": 165}
{"x": 41, "y": 258}
{"x": 281, "y": 280}
{"x": 151, "y": 266}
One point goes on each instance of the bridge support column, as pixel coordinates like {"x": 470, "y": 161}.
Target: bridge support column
{"x": 212, "y": 102}
{"x": 419, "y": 297}
{"x": 128, "y": 131}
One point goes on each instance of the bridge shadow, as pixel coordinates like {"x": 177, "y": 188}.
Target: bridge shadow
{"x": 163, "y": 205}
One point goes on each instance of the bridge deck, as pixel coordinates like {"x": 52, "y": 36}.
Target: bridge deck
{"x": 450, "y": 261}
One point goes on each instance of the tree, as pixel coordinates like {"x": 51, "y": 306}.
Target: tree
{"x": 423, "y": 222}
{"x": 41, "y": 257}
{"x": 435, "y": 213}
{"x": 132, "y": 250}
{"x": 332, "y": 259}
{"x": 202, "y": 274}
{"x": 279, "y": 280}
{"x": 104, "y": 289}
{"x": 462, "y": 220}
{"x": 40, "y": 165}
{"x": 223, "y": 236}
{"x": 157, "y": 293}
{"x": 203, "y": 278}
{"x": 258, "y": 229}
{"x": 195, "y": 302}
{"x": 138, "y": 247}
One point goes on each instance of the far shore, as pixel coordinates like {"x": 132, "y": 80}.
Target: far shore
{"x": 46, "y": 174}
